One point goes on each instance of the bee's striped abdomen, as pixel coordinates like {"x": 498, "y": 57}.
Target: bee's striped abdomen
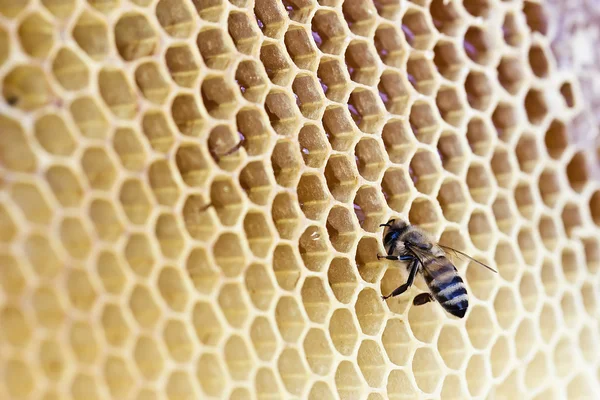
{"x": 447, "y": 287}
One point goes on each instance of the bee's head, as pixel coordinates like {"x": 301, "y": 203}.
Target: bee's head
{"x": 392, "y": 231}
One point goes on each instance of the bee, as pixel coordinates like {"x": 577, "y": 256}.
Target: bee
{"x": 404, "y": 242}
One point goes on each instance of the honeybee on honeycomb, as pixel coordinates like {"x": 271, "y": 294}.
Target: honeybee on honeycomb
{"x": 405, "y": 242}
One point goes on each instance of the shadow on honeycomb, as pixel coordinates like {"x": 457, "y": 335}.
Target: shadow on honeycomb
{"x": 141, "y": 258}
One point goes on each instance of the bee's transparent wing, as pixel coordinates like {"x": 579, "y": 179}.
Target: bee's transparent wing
{"x": 448, "y": 248}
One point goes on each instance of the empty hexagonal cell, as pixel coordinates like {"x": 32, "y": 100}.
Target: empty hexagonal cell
{"x": 18, "y": 330}
{"x": 139, "y": 254}
{"x": 114, "y": 326}
{"x": 421, "y": 74}
{"x": 342, "y": 279}
{"x": 300, "y": 48}
{"x": 571, "y": 218}
{"x": 254, "y": 130}
{"x": 424, "y": 323}
{"x": 368, "y": 207}
{"x": 446, "y": 18}
{"x": 249, "y": 78}
{"x": 157, "y": 131}
{"x": 74, "y": 238}
{"x": 340, "y": 229}
{"x": 549, "y": 187}
{"x": 201, "y": 271}
{"x": 504, "y": 214}
{"x": 363, "y": 105}
{"x": 423, "y": 122}
{"x": 292, "y": 371}
{"x": 225, "y": 198}
{"x": 118, "y": 377}
{"x": 210, "y": 374}
{"x": 229, "y": 253}
{"x": 479, "y": 90}
{"x": 524, "y": 200}
{"x": 556, "y": 139}
{"x": 547, "y": 229}
{"x": 417, "y": 29}
{"x": 182, "y": 65}
{"x": 313, "y": 248}
{"x": 371, "y": 363}
{"x": 339, "y": 128}
{"x": 179, "y": 384}
{"x": 528, "y": 245}
{"x": 26, "y": 87}
{"x": 369, "y": 311}
{"x": 536, "y": 17}
{"x": 448, "y": 59}
{"x": 172, "y": 288}
{"x": 332, "y": 75}
{"x": 589, "y": 297}
{"x": 571, "y": 265}
{"x": 347, "y": 381}
{"x": 564, "y": 353}
{"x": 259, "y": 285}
{"x": 36, "y": 35}
{"x": 510, "y": 74}
{"x": 396, "y": 189}
{"x": 91, "y": 35}
{"x": 144, "y": 307}
{"x": 135, "y": 37}
{"x": 527, "y": 153}
{"x": 525, "y": 338}
{"x": 98, "y": 168}
{"x": 450, "y": 105}
{"x": 478, "y": 375}
{"x": 263, "y": 338}
{"x": 424, "y": 213}
{"x": 313, "y": 145}
{"x": 175, "y": 18}
{"x": 566, "y": 91}
{"x": 581, "y": 386}
{"x": 111, "y": 272}
{"x": 309, "y": 96}
{"x": 452, "y": 347}
{"x": 285, "y": 267}
{"x": 117, "y": 94}
{"x": 218, "y": 98}
{"x": 397, "y": 341}
{"x": 341, "y": 177}
{"x": 151, "y": 82}
{"x": 313, "y": 198}
{"x": 535, "y": 106}
{"x": 206, "y": 324}
{"x": 480, "y": 327}
{"x": 389, "y": 45}
{"x": 317, "y": 351}
{"x": 452, "y": 152}
{"x": 215, "y": 48}
{"x": 51, "y": 359}
{"x": 20, "y": 382}
{"x": 106, "y": 220}
{"x": 32, "y": 203}
{"x": 285, "y": 215}
{"x": 12, "y": 279}
{"x": 370, "y": 160}
{"x": 282, "y": 112}
{"x": 426, "y": 369}
{"x": 398, "y": 140}
{"x": 129, "y": 148}
{"x": 169, "y": 236}
{"x": 506, "y": 119}
{"x": 577, "y": 171}
{"x": 361, "y": 63}
{"x": 425, "y": 171}
{"x": 258, "y": 233}
{"x": 479, "y": 136}
{"x": 328, "y": 31}
{"x": 289, "y": 318}
{"x": 394, "y": 92}
{"x": 453, "y": 200}
{"x": 502, "y": 167}
{"x": 478, "y": 44}
{"x": 513, "y": 31}
{"x": 505, "y": 305}
{"x": 315, "y": 299}
{"x": 53, "y": 135}
{"x": 343, "y": 331}
{"x": 237, "y": 358}
{"x": 277, "y": 65}
{"x": 135, "y": 201}
{"x": 266, "y": 383}
{"x": 242, "y": 31}
{"x": 592, "y": 254}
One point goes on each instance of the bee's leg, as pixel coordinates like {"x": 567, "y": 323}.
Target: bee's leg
{"x": 422, "y": 298}
{"x": 411, "y": 277}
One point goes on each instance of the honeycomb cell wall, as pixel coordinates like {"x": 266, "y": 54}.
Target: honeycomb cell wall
{"x": 191, "y": 193}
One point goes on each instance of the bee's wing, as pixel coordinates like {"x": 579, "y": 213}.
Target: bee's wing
{"x": 448, "y": 248}
{"x": 425, "y": 257}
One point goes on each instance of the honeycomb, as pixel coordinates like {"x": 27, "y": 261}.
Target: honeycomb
{"x": 145, "y": 255}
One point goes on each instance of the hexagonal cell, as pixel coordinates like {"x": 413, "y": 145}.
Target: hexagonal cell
{"x": 399, "y": 142}
{"x": 363, "y": 105}
{"x": 549, "y": 187}
{"x": 564, "y": 356}
{"x": 348, "y": 381}
{"x": 479, "y": 44}
{"x": 571, "y": 265}
{"x": 397, "y": 341}
{"x": 328, "y": 31}
{"x": 241, "y": 29}
{"x": 20, "y": 382}
{"x": 226, "y": 200}
{"x": 369, "y": 267}
{"x": 263, "y": 338}
{"x": 480, "y": 327}
{"x": 178, "y": 385}
{"x": 394, "y": 92}
{"x": 215, "y": 48}
{"x": 228, "y": 253}
{"x": 592, "y": 254}
{"x": 106, "y": 221}
{"x": 82, "y": 341}
{"x": 450, "y": 105}
{"x": 289, "y": 318}
{"x": 315, "y": 299}
{"x": 417, "y": 29}
{"x": 217, "y": 97}
{"x": 556, "y": 139}
{"x": 513, "y": 32}
{"x": 343, "y": 331}
{"x": 368, "y": 207}
{"x": 169, "y": 236}
{"x": 506, "y": 119}
{"x": 370, "y": 159}
{"x": 99, "y": 168}
{"x": 313, "y": 248}
{"x": 74, "y": 238}
{"x": 211, "y": 10}
{"x": 266, "y": 383}
{"x": 276, "y": 63}
{"x": 53, "y": 135}
{"x": 339, "y": 128}
{"x": 254, "y": 130}
{"x": 292, "y": 371}
{"x": 359, "y": 16}
{"x": 448, "y": 59}
{"x": 425, "y": 171}
{"x": 157, "y": 131}
{"x": 503, "y": 213}
{"x": 369, "y": 311}
{"x": 200, "y": 271}
{"x": 389, "y": 45}
{"x": 452, "y": 152}
{"x": 527, "y": 153}
{"x": 361, "y": 63}
{"x": 206, "y": 324}
{"x": 536, "y": 17}
{"x": 511, "y": 74}
{"x": 135, "y": 201}
{"x": 249, "y": 78}
{"x": 547, "y": 229}
{"x": 32, "y": 203}
{"x": 285, "y": 215}
{"x": 424, "y": 122}
{"x": 529, "y": 292}
{"x": 371, "y": 363}
{"x": 114, "y": 326}
{"x": 26, "y": 87}
{"x": 581, "y": 386}
{"x": 318, "y": 353}
{"x": 571, "y": 218}
{"x": 594, "y": 205}
{"x": 446, "y": 18}
{"x": 479, "y": 90}
{"x": 342, "y": 279}
{"x": 118, "y": 377}
{"x": 313, "y": 199}
{"x": 135, "y": 37}
{"x": 210, "y": 374}
{"x": 91, "y": 35}
{"x": 129, "y": 149}
{"x": 281, "y": 110}
{"x": 453, "y": 201}
{"x": 172, "y": 288}
{"x": 452, "y": 347}
{"x": 421, "y": 74}
{"x": 175, "y": 18}
{"x": 502, "y": 168}
{"x": 396, "y": 189}
{"x": 341, "y": 177}
{"x": 427, "y": 371}
{"x": 237, "y": 358}
{"x": 501, "y": 356}
{"x": 538, "y": 61}
{"x": 528, "y": 246}
{"x": 535, "y": 106}
{"x": 143, "y": 307}
{"x": 12, "y": 279}
{"x": 577, "y": 171}
{"x": 505, "y": 305}
{"x": 139, "y": 254}
{"x": 111, "y": 272}
{"x": 525, "y": 338}
{"x": 151, "y": 82}
{"x": 309, "y": 96}
{"x": 590, "y": 301}
{"x": 525, "y": 200}
{"x": 182, "y": 65}
{"x": 478, "y": 375}
{"x": 566, "y": 91}
{"x": 70, "y": 70}
{"x": 479, "y": 182}
{"x": 117, "y": 94}
{"x": 300, "y": 48}
{"x": 340, "y": 229}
